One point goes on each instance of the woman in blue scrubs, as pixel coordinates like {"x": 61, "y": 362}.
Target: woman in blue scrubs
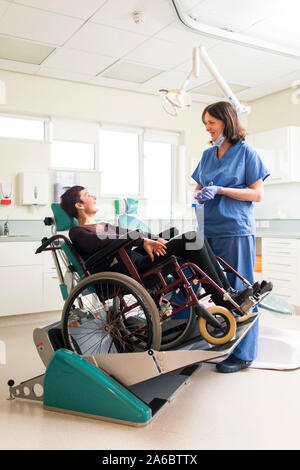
{"x": 229, "y": 181}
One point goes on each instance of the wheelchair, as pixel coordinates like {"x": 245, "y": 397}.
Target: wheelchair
{"x": 108, "y": 312}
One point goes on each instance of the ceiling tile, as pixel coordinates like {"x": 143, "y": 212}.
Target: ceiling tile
{"x": 157, "y": 14}
{"x": 63, "y": 74}
{"x": 271, "y": 86}
{"x": 18, "y": 66}
{"x": 23, "y": 51}
{"x": 37, "y": 25}
{"x": 281, "y": 28}
{"x": 180, "y": 34}
{"x": 233, "y": 14}
{"x": 248, "y": 66}
{"x": 130, "y": 72}
{"x": 104, "y": 40}
{"x": 77, "y": 61}
{"x": 160, "y": 53}
{"x": 76, "y": 8}
{"x": 111, "y": 83}
{"x": 3, "y": 6}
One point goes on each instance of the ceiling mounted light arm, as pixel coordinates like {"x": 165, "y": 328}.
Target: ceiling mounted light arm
{"x": 177, "y": 99}
{"x": 240, "y": 108}
{"x": 227, "y": 35}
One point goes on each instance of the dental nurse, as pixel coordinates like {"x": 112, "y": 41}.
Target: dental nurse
{"x": 229, "y": 181}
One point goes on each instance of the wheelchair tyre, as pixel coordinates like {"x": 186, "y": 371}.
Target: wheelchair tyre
{"x": 110, "y": 313}
{"x": 244, "y": 317}
{"x": 176, "y": 332}
{"x": 215, "y": 335}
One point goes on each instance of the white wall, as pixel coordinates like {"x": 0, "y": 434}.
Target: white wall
{"x": 272, "y": 112}
{"x": 32, "y": 95}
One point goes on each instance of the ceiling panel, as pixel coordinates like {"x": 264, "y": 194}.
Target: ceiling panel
{"x": 76, "y": 8}
{"x": 271, "y": 86}
{"x": 247, "y": 66}
{"x": 112, "y": 83}
{"x": 37, "y": 25}
{"x": 105, "y": 40}
{"x": 180, "y": 34}
{"x": 91, "y": 35}
{"x": 160, "y": 53}
{"x": 3, "y": 6}
{"x": 77, "y": 61}
{"x": 157, "y": 14}
{"x": 234, "y": 14}
{"x": 281, "y": 28}
{"x": 63, "y": 74}
{"x": 18, "y": 66}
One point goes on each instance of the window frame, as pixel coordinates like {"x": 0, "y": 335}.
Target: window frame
{"x": 141, "y": 158}
{"x": 79, "y": 170}
{"x": 29, "y": 117}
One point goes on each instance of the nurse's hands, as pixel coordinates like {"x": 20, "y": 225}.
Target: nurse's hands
{"x": 208, "y": 192}
{"x": 155, "y": 247}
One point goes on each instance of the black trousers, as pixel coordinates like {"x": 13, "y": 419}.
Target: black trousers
{"x": 190, "y": 246}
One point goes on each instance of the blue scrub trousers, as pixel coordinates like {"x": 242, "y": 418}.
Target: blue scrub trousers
{"x": 239, "y": 252}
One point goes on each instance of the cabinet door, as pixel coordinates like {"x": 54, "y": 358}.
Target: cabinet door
{"x": 274, "y": 149}
{"x": 51, "y": 292}
{"x": 21, "y": 290}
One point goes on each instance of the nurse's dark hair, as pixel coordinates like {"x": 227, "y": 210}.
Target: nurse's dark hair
{"x": 225, "y": 111}
{"x": 69, "y": 199}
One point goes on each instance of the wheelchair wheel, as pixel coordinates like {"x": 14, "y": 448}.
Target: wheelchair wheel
{"x": 244, "y": 317}
{"x": 110, "y": 313}
{"x": 175, "y": 332}
{"x": 214, "y": 335}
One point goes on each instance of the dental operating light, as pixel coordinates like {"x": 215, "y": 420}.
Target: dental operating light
{"x": 177, "y": 99}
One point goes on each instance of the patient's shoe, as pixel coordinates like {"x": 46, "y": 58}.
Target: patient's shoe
{"x": 232, "y": 364}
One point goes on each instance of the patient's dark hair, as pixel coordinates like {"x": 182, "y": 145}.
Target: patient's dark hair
{"x": 69, "y": 199}
{"x": 225, "y": 111}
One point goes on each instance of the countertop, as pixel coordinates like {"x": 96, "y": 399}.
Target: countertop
{"x": 19, "y": 238}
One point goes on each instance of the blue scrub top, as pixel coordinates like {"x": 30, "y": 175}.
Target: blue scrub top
{"x": 240, "y": 167}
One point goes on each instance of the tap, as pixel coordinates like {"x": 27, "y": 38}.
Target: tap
{"x": 6, "y": 228}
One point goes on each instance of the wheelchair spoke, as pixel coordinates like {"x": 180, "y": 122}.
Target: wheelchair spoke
{"x": 107, "y": 317}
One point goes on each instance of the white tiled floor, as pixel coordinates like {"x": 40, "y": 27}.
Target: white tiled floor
{"x": 252, "y": 409}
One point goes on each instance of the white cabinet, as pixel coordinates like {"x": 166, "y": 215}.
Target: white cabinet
{"x": 34, "y": 188}
{"x": 21, "y": 279}
{"x": 29, "y": 282}
{"x": 281, "y": 265}
{"x": 280, "y": 152}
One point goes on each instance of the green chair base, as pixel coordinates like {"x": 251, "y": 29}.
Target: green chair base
{"x": 74, "y": 385}
{"x": 275, "y": 304}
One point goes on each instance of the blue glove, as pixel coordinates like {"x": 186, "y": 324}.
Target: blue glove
{"x": 202, "y": 196}
{"x": 211, "y": 190}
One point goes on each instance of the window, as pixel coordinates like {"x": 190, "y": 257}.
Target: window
{"x": 22, "y": 128}
{"x": 119, "y": 163}
{"x": 72, "y": 155}
{"x": 158, "y": 179}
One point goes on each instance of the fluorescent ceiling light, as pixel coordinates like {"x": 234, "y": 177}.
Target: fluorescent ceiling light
{"x": 23, "y": 51}
{"x": 130, "y": 72}
{"x": 212, "y": 89}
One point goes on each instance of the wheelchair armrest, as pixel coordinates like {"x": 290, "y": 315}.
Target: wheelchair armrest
{"x": 111, "y": 248}
{"x": 47, "y": 241}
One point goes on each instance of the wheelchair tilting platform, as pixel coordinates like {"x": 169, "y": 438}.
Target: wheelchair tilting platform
{"x": 128, "y": 388}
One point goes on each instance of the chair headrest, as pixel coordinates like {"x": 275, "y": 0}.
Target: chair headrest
{"x": 132, "y": 223}
{"x": 131, "y": 205}
{"x": 62, "y": 220}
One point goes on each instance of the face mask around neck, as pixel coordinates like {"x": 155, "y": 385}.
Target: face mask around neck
{"x": 220, "y": 141}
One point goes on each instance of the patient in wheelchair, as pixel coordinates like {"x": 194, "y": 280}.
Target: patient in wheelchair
{"x": 89, "y": 237}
